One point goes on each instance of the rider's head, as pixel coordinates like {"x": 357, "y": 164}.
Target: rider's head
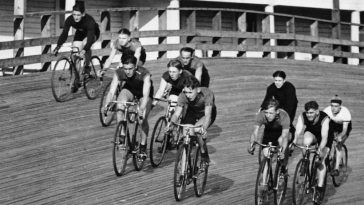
{"x": 312, "y": 110}
{"x": 190, "y": 87}
{"x": 129, "y": 64}
{"x": 279, "y": 78}
{"x": 123, "y": 36}
{"x": 271, "y": 109}
{"x": 174, "y": 69}
{"x": 186, "y": 55}
{"x": 335, "y": 103}
{"x": 78, "y": 11}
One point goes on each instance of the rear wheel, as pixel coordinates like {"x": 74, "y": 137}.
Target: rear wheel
{"x": 158, "y": 142}
{"x": 136, "y": 140}
{"x": 263, "y": 191}
{"x": 199, "y": 175}
{"x": 120, "y": 153}
{"x": 180, "y": 173}
{"x": 281, "y": 184}
{"x": 106, "y": 115}
{"x": 343, "y": 167}
{"x": 93, "y": 83}
{"x": 63, "y": 77}
{"x": 300, "y": 182}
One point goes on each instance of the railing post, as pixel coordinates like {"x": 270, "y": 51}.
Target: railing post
{"x": 268, "y": 26}
{"x": 191, "y": 26}
{"x": 355, "y": 35}
{"x": 216, "y": 26}
{"x": 242, "y": 26}
{"x": 162, "y": 25}
{"x": 291, "y": 29}
{"x": 336, "y": 29}
{"x": 45, "y": 26}
{"x": 105, "y": 27}
{"x": 134, "y": 20}
{"x": 19, "y": 12}
{"x": 265, "y": 29}
{"x": 314, "y": 45}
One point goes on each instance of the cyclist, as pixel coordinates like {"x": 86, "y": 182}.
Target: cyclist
{"x": 316, "y": 132}
{"x": 87, "y": 33}
{"x": 171, "y": 82}
{"x": 340, "y": 126}
{"x": 135, "y": 82}
{"x": 285, "y": 93}
{"x": 276, "y": 128}
{"x": 200, "y": 110}
{"x": 194, "y": 65}
{"x": 126, "y": 46}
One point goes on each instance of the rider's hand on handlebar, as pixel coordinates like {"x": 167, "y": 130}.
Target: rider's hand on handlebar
{"x": 251, "y": 149}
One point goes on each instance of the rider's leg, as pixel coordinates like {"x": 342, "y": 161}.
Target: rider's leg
{"x": 124, "y": 96}
{"x": 322, "y": 169}
{"x": 145, "y": 124}
{"x": 283, "y": 142}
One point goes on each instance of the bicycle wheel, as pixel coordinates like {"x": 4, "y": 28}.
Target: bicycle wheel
{"x": 343, "y": 167}
{"x": 62, "y": 79}
{"x": 180, "y": 173}
{"x": 93, "y": 83}
{"x": 158, "y": 142}
{"x": 199, "y": 175}
{"x": 300, "y": 182}
{"x": 106, "y": 116}
{"x": 263, "y": 189}
{"x": 120, "y": 153}
{"x": 281, "y": 181}
{"x": 136, "y": 140}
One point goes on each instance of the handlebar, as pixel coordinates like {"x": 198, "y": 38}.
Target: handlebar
{"x": 306, "y": 147}
{"x": 266, "y": 145}
{"x": 125, "y": 103}
{"x": 186, "y": 125}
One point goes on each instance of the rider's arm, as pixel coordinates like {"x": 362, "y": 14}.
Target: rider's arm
{"x": 146, "y": 90}
{"x": 324, "y": 133}
{"x": 291, "y": 99}
{"x": 198, "y": 73}
{"x": 254, "y": 135}
{"x": 299, "y": 128}
{"x": 160, "y": 91}
{"x": 177, "y": 113}
{"x": 63, "y": 37}
{"x": 91, "y": 33}
{"x": 207, "y": 121}
{"x": 113, "y": 87}
{"x": 110, "y": 58}
{"x": 284, "y": 136}
{"x": 137, "y": 54}
{"x": 343, "y": 133}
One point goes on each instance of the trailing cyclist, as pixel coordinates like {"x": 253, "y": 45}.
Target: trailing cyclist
{"x": 135, "y": 82}
{"x": 314, "y": 124}
{"x": 339, "y": 126}
{"x": 87, "y": 33}
{"x": 200, "y": 110}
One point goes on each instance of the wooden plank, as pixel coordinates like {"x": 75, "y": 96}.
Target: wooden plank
{"x": 46, "y": 33}
{"x": 162, "y": 25}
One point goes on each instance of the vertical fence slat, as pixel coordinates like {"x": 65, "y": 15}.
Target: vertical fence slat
{"x": 242, "y": 27}
{"x": 105, "y": 27}
{"x": 19, "y": 12}
{"x": 266, "y": 29}
{"x": 216, "y": 26}
{"x": 134, "y": 20}
{"x": 314, "y": 32}
{"x": 162, "y": 25}
{"x": 291, "y": 29}
{"x": 45, "y": 26}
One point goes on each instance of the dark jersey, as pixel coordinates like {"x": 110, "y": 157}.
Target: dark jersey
{"x": 286, "y": 95}
{"x": 87, "y": 25}
{"x": 136, "y": 82}
{"x": 130, "y": 48}
{"x": 193, "y": 65}
{"x": 177, "y": 86}
{"x": 315, "y": 127}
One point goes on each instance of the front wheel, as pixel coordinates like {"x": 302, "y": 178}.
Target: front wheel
{"x": 343, "y": 167}
{"x": 264, "y": 184}
{"x": 120, "y": 153}
{"x": 106, "y": 115}
{"x": 281, "y": 181}
{"x": 199, "y": 174}
{"x": 136, "y": 141}
{"x": 180, "y": 173}
{"x": 158, "y": 142}
{"x": 62, "y": 79}
{"x": 92, "y": 82}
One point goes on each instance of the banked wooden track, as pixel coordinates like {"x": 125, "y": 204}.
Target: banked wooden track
{"x": 58, "y": 153}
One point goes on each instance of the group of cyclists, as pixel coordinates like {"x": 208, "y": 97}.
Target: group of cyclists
{"x": 186, "y": 82}
{"x": 317, "y": 127}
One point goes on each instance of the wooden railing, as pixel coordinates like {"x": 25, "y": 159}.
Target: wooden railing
{"x": 287, "y": 44}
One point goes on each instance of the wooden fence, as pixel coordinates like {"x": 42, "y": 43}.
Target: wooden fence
{"x": 286, "y": 44}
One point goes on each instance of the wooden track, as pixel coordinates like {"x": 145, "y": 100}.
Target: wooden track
{"x": 58, "y": 153}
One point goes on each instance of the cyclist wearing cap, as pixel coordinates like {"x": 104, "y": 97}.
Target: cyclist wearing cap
{"x": 340, "y": 126}
{"x": 276, "y": 128}
{"x": 135, "y": 83}
{"x": 194, "y": 65}
{"x": 316, "y": 132}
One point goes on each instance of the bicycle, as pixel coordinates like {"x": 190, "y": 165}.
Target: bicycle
{"x": 188, "y": 166}
{"x": 127, "y": 145}
{"x": 343, "y": 166}
{"x": 65, "y": 75}
{"x": 107, "y": 113}
{"x": 305, "y": 176}
{"x": 160, "y": 140}
{"x": 276, "y": 184}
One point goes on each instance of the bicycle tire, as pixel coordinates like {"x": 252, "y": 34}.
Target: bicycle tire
{"x": 120, "y": 162}
{"x": 179, "y": 178}
{"x": 136, "y": 142}
{"x": 300, "y": 182}
{"x": 93, "y": 84}
{"x": 343, "y": 167}
{"x": 158, "y": 142}
{"x": 106, "y": 117}
{"x": 262, "y": 193}
{"x": 200, "y": 177}
{"x": 280, "y": 184}
{"x": 62, "y": 79}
